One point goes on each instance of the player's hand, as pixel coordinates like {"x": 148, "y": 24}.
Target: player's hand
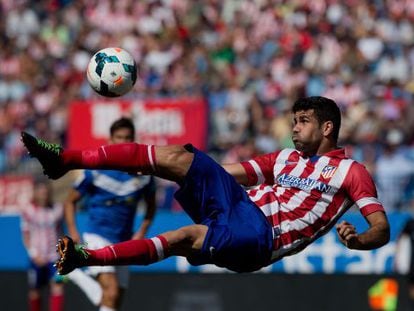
{"x": 348, "y": 235}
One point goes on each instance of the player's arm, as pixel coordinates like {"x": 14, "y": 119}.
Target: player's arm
{"x": 362, "y": 191}
{"x": 237, "y": 171}
{"x": 70, "y": 214}
{"x": 151, "y": 206}
{"x": 255, "y": 171}
{"x": 377, "y": 235}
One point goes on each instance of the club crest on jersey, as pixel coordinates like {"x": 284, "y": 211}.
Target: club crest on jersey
{"x": 328, "y": 171}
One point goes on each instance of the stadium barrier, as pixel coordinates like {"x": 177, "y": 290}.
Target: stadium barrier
{"x": 226, "y": 292}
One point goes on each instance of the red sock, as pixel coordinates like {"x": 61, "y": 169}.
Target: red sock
{"x": 129, "y": 157}
{"x": 132, "y": 252}
{"x": 34, "y": 303}
{"x": 56, "y": 302}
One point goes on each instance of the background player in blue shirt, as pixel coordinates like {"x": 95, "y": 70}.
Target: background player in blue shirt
{"x": 110, "y": 199}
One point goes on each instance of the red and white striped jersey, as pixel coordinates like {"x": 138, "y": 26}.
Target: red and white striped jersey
{"x": 43, "y": 225}
{"x": 303, "y": 198}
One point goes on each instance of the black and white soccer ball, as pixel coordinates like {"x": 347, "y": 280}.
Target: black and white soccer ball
{"x": 112, "y": 72}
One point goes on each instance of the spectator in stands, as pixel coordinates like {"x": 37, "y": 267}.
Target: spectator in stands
{"x": 394, "y": 172}
{"x": 272, "y": 50}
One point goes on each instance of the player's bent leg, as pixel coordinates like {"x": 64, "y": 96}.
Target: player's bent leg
{"x": 182, "y": 242}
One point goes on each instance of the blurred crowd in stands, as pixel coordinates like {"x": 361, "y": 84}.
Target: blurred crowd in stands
{"x": 250, "y": 60}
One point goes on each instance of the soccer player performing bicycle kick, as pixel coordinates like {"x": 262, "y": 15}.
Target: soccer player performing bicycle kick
{"x": 298, "y": 195}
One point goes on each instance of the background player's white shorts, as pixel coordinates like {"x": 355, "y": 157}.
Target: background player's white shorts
{"x": 95, "y": 241}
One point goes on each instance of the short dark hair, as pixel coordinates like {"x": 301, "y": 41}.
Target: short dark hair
{"x": 122, "y": 123}
{"x": 325, "y": 110}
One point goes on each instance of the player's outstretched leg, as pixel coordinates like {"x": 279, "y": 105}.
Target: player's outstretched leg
{"x": 48, "y": 155}
{"x": 169, "y": 162}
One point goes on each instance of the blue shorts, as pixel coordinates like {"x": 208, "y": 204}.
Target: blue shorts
{"x": 239, "y": 236}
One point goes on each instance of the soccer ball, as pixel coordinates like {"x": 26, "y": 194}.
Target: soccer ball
{"x": 112, "y": 72}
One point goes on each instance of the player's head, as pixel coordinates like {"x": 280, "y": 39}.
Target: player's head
{"x": 122, "y": 131}
{"x": 317, "y": 120}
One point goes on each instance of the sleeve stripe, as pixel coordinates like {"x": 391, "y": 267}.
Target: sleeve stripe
{"x": 258, "y": 171}
{"x": 369, "y": 205}
{"x": 367, "y": 201}
{"x": 372, "y": 208}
